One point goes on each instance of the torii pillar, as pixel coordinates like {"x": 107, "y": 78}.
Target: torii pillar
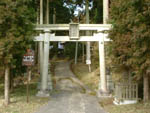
{"x": 103, "y": 91}
{"x": 44, "y": 54}
{"x": 40, "y": 45}
{"x": 44, "y": 79}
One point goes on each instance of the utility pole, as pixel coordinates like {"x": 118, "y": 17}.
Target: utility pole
{"x": 88, "y": 53}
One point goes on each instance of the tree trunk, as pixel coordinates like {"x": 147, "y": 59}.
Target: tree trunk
{"x": 146, "y": 88}
{"x": 7, "y": 82}
{"x": 83, "y": 53}
{"x": 47, "y": 12}
{"x": 41, "y": 11}
{"x": 54, "y": 16}
{"x": 11, "y": 80}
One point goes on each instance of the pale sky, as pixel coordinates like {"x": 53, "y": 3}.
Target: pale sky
{"x": 79, "y": 8}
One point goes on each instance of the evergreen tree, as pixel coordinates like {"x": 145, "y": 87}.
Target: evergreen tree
{"x": 130, "y": 37}
{"x": 16, "y": 29}
{"x": 63, "y": 10}
{"x": 96, "y": 13}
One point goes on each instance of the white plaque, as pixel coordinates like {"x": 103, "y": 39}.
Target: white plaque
{"x": 88, "y": 61}
{"x": 74, "y": 31}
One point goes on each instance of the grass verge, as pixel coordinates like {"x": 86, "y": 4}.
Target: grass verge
{"x": 18, "y": 100}
{"x": 92, "y": 79}
{"x": 140, "y": 107}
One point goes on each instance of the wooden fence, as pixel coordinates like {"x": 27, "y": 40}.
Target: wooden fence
{"x": 126, "y": 91}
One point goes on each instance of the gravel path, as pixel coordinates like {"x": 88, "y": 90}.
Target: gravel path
{"x": 69, "y": 96}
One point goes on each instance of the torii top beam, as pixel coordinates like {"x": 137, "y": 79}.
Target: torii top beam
{"x": 65, "y": 27}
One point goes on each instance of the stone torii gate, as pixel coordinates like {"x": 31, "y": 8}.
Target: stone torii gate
{"x": 74, "y": 29}
{"x": 47, "y": 37}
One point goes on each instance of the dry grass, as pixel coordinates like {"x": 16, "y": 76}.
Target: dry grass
{"x": 89, "y": 79}
{"x": 108, "y": 105}
{"x": 18, "y": 102}
{"x": 92, "y": 79}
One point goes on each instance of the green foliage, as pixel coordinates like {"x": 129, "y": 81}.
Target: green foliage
{"x": 96, "y": 13}
{"x": 70, "y": 49}
{"x": 16, "y": 30}
{"x": 63, "y": 13}
{"x": 130, "y": 35}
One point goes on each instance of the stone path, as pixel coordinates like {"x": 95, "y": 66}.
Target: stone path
{"x": 69, "y": 96}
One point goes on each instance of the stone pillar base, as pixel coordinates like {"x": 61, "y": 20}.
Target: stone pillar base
{"x": 49, "y": 88}
{"x": 43, "y": 94}
{"x": 106, "y": 94}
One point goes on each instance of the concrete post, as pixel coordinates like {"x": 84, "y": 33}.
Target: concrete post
{"x": 88, "y": 52}
{"x": 76, "y": 53}
{"x": 88, "y": 55}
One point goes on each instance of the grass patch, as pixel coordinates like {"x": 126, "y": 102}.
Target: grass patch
{"x": 18, "y": 100}
{"x": 108, "y": 105}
